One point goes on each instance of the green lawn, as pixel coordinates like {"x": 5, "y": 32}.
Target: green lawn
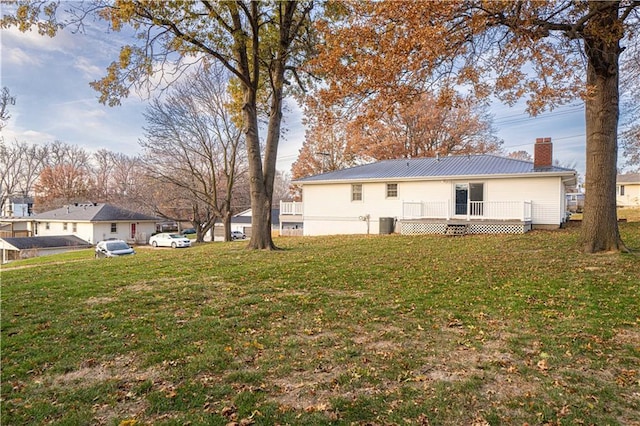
{"x": 377, "y": 330}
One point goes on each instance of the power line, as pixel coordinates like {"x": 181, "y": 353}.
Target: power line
{"x": 510, "y": 121}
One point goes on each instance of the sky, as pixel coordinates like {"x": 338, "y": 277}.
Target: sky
{"x": 50, "y": 79}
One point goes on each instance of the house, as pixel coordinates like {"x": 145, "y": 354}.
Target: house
{"x": 26, "y": 247}
{"x": 242, "y": 222}
{"x": 575, "y": 202}
{"x": 628, "y": 190}
{"x": 94, "y": 222}
{"x": 291, "y": 221}
{"x": 17, "y": 206}
{"x": 454, "y": 194}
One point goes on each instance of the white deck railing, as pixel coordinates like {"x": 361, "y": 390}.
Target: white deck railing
{"x": 290, "y": 208}
{"x": 487, "y": 210}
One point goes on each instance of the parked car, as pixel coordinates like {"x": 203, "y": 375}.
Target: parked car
{"x": 188, "y": 231}
{"x": 166, "y": 239}
{"x": 113, "y": 248}
{"x": 237, "y": 235}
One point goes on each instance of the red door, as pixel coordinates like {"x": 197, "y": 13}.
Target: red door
{"x": 133, "y": 231}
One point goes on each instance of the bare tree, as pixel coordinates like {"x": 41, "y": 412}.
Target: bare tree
{"x": 101, "y": 172}
{"x": 520, "y": 155}
{"x": 5, "y": 100}
{"x": 281, "y": 187}
{"x": 20, "y": 167}
{"x": 193, "y": 145}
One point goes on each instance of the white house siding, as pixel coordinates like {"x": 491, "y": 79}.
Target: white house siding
{"x": 631, "y": 197}
{"x": 102, "y": 231}
{"x": 546, "y": 194}
{"x": 96, "y": 232}
{"x": 328, "y": 209}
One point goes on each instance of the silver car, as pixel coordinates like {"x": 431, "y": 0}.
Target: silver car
{"x": 166, "y": 239}
{"x": 113, "y": 248}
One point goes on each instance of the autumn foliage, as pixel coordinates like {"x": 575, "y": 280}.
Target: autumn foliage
{"x": 60, "y": 184}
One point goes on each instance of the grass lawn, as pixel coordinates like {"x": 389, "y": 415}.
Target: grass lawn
{"x": 365, "y": 330}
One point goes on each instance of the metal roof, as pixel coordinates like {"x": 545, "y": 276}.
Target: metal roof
{"x": 93, "y": 212}
{"x": 432, "y": 167}
{"x": 245, "y": 217}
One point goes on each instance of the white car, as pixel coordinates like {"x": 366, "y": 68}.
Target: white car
{"x": 237, "y": 235}
{"x": 166, "y": 239}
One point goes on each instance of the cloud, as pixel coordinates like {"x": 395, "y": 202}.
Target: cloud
{"x": 19, "y": 57}
{"x": 12, "y": 37}
{"x": 90, "y": 70}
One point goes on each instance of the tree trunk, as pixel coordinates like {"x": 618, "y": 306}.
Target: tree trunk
{"x": 226, "y": 219}
{"x": 600, "y": 223}
{"x": 260, "y": 197}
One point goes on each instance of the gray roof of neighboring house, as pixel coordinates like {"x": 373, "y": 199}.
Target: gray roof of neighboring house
{"x": 94, "y": 212}
{"x": 432, "y": 167}
{"x": 628, "y": 178}
{"x": 20, "y": 199}
{"x": 26, "y": 243}
{"x": 246, "y": 219}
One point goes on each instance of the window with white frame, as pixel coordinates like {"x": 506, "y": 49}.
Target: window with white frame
{"x": 114, "y": 228}
{"x": 620, "y": 189}
{"x": 47, "y": 225}
{"x": 392, "y": 190}
{"x": 356, "y": 192}
{"x": 74, "y": 227}
{"x": 64, "y": 226}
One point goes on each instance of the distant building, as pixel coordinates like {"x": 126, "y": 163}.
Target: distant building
{"x": 26, "y": 247}
{"x": 628, "y": 190}
{"x": 94, "y": 222}
{"x": 17, "y": 206}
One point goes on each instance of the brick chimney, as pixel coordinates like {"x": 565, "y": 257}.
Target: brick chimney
{"x": 543, "y": 153}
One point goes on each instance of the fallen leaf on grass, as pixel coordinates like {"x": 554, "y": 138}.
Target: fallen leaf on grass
{"x": 542, "y": 365}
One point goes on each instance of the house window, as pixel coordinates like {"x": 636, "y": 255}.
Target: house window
{"x": 392, "y": 190}
{"x": 64, "y": 226}
{"x": 47, "y": 225}
{"x": 621, "y": 187}
{"x": 74, "y": 227}
{"x": 356, "y": 192}
{"x": 114, "y": 228}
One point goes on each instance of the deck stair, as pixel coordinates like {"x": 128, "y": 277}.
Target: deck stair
{"x": 456, "y": 229}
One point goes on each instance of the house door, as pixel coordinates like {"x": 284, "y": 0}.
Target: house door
{"x": 462, "y": 196}
{"x": 469, "y": 199}
{"x": 133, "y": 231}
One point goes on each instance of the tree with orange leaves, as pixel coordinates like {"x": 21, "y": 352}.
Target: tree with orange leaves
{"x": 423, "y": 128}
{"x": 377, "y": 54}
{"x": 62, "y": 184}
{"x": 324, "y": 149}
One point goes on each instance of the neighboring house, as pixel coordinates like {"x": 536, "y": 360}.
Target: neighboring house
{"x": 26, "y": 247}
{"x": 94, "y": 222}
{"x": 575, "y": 202}
{"x": 291, "y": 222}
{"x": 15, "y": 227}
{"x": 454, "y": 194}
{"x": 17, "y": 206}
{"x": 628, "y": 190}
{"x": 242, "y": 222}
